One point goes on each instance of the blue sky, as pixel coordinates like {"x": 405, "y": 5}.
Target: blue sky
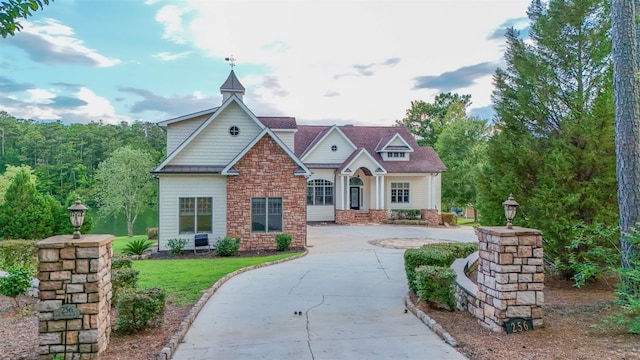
{"x": 323, "y": 61}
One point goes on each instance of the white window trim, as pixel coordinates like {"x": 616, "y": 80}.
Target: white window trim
{"x": 213, "y": 219}
{"x": 391, "y": 192}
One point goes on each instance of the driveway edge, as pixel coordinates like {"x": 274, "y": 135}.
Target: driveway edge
{"x": 435, "y": 327}
{"x": 167, "y": 352}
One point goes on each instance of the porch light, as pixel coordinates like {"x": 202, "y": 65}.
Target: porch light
{"x": 76, "y": 214}
{"x": 510, "y": 207}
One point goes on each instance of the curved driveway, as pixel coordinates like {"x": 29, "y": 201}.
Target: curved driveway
{"x": 344, "y": 300}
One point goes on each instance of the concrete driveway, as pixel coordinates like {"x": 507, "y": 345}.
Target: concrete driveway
{"x": 344, "y": 300}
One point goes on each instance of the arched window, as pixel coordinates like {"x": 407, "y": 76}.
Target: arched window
{"x": 355, "y": 181}
{"x": 319, "y": 192}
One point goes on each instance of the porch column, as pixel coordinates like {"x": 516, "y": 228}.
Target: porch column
{"x": 377, "y": 192}
{"x": 433, "y": 192}
{"x": 346, "y": 194}
{"x": 381, "y": 191}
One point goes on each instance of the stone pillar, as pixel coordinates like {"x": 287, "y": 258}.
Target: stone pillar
{"x": 510, "y": 276}
{"x": 75, "y": 296}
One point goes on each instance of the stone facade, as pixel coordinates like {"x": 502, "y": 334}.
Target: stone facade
{"x": 510, "y": 276}
{"x": 266, "y": 171}
{"x": 74, "y": 273}
{"x": 360, "y": 217}
{"x": 432, "y": 217}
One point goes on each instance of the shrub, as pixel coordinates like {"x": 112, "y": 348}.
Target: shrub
{"x": 405, "y": 214}
{"x": 592, "y": 253}
{"x": 152, "y": 233}
{"x": 137, "y": 247}
{"x": 407, "y": 222}
{"x": 628, "y": 291}
{"x": 176, "y": 245}
{"x": 19, "y": 253}
{"x": 120, "y": 262}
{"x": 139, "y": 309}
{"x": 449, "y": 218}
{"x": 123, "y": 278}
{"x": 283, "y": 242}
{"x": 228, "y": 246}
{"x": 17, "y": 282}
{"x": 438, "y": 254}
{"x": 436, "y": 285}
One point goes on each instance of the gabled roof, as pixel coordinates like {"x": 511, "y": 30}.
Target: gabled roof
{"x": 321, "y": 136}
{"x": 279, "y": 123}
{"x": 384, "y": 144}
{"x": 231, "y": 99}
{"x": 423, "y": 159}
{"x": 164, "y": 123}
{"x": 345, "y": 168}
{"x": 230, "y": 170}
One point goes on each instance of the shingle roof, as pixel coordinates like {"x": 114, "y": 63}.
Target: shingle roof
{"x": 279, "y": 123}
{"x": 423, "y": 160}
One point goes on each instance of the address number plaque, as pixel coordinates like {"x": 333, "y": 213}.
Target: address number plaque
{"x": 518, "y": 325}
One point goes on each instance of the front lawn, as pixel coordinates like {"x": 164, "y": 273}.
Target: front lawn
{"x": 120, "y": 242}
{"x": 185, "y": 279}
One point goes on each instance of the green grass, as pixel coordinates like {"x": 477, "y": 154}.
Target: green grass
{"x": 468, "y": 222}
{"x": 185, "y": 279}
{"x": 120, "y": 242}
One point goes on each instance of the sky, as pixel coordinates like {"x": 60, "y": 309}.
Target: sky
{"x": 322, "y": 62}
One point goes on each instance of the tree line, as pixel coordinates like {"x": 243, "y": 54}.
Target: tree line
{"x": 50, "y": 163}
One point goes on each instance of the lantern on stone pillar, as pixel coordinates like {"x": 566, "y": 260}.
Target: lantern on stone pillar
{"x": 76, "y": 214}
{"x": 510, "y": 207}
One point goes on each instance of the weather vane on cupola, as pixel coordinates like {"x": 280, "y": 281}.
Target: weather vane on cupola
{"x": 231, "y": 60}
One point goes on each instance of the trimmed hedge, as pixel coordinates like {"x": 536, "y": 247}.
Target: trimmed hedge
{"x": 407, "y": 222}
{"x": 438, "y": 254}
{"x": 19, "y": 253}
{"x": 405, "y": 214}
{"x": 139, "y": 309}
{"x": 436, "y": 286}
{"x": 449, "y": 218}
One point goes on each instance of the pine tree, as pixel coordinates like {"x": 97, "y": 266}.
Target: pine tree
{"x": 553, "y": 147}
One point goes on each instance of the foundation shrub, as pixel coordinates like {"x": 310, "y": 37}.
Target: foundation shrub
{"x": 405, "y": 214}
{"x": 176, "y": 245}
{"x": 283, "y": 242}
{"x": 449, "y": 218}
{"x": 137, "y": 247}
{"x": 228, "y": 246}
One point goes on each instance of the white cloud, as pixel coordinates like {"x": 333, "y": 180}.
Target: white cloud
{"x": 171, "y": 17}
{"x": 49, "y": 41}
{"x": 305, "y": 44}
{"x": 167, "y": 56}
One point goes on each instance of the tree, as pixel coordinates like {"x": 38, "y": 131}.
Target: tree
{"x": 125, "y": 184}
{"x": 12, "y": 10}
{"x": 27, "y": 214}
{"x": 626, "y": 89}
{"x": 462, "y": 147}
{"x": 553, "y": 145}
{"x": 426, "y": 120}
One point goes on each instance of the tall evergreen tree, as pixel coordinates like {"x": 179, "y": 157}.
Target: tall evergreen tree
{"x": 626, "y": 65}
{"x": 554, "y": 147}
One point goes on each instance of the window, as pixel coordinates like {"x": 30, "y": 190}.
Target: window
{"x": 395, "y": 155}
{"x": 400, "y": 193}
{"x": 266, "y": 214}
{"x": 195, "y": 215}
{"x": 234, "y": 131}
{"x": 334, "y": 148}
{"x": 319, "y": 192}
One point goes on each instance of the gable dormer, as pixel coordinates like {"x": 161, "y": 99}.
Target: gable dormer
{"x": 394, "y": 148}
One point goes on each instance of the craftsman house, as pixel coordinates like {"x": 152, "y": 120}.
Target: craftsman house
{"x": 229, "y": 172}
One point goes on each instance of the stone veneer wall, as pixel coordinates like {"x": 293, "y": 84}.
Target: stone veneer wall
{"x": 510, "y": 276}
{"x": 354, "y": 217}
{"x": 266, "y": 171}
{"x": 432, "y": 217}
{"x": 77, "y": 272}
